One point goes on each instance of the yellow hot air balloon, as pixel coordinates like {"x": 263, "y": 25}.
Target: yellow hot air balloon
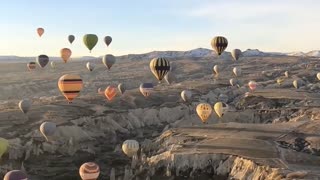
{"x": 40, "y": 31}
{"x": 220, "y": 108}
{"x": 296, "y": 84}
{"x": 159, "y": 67}
{"x": 204, "y": 111}
{"x": 318, "y": 76}
{"x": 219, "y": 44}
{"x": 4, "y": 144}
{"x": 280, "y": 81}
{"x": 70, "y": 86}
{"x": 65, "y": 54}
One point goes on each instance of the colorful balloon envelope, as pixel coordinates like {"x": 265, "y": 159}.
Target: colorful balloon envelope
{"x": 108, "y": 40}
{"x": 40, "y": 31}
{"x": 219, "y": 44}
{"x": 70, "y": 86}
{"x": 204, "y": 111}
{"x": 108, "y": 60}
{"x": 15, "y": 175}
{"x": 48, "y": 129}
{"x": 89, "y": 171}
{"x": 236, "y": 53}
{"x": 220, "y": 108}
{"x": 186, "y": 95}
{"x": 65, "y": 54}
{"x": 4, "y": 145}
{"x": 90, "y": 41}
{"x": 110, "y": 92}
{"x": 31, "y": 66}
{"x": 71, "y": 38}
{"x": 130, "y": 147}
{"x": 252, "y": 85}
{"x": 42, "y": 60}
{"x": 25, "y": 105}
{"x": 146, "y": 89}
{"x": 159, "y": 67}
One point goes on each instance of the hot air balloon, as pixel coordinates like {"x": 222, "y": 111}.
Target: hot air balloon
{"x": 40, "y": 31}
{"x": 204, "y": 111}
{"x": 216, "y": 69}
{"x": 280, "y": 81}
{"x": 220, "y": 108}
{"x": 53, "y": 64}
{"x": 100, "y": 91}
{"x": 90, "y": 66}
{"x": 169, "y": 78}
{"x": 146, "y": 88}
{"x": 130, "y": 147}
{"x": 107, "y": 40}
{"x": 186, "y": 95}
{"x": 159, "y": 67}
{"x": 48, "y": 129}
{"x": 31, "y": 65}
{"x": 236, "y": 71}
{"x": 15, "y": 175}
{"x": 252, "y": 85}
{"x": 233, "y": 82}
{"x": 89, "y": 171}
{"x": 236, "y": 53}
{"x": 65, "y": 54}
{"x": 25, "y": 105}
{"x": 121, "y": 88}
{"x": 4, "y": 144}
{"x": 108, "y": 60}
{"x": 90, "y": 40}
{"x": 70, "y": 86}
{"x": 219, "y": 44}
{"x": 318, "y": 76}
{"x": 286, "y": 74}
{"x": 110, "y": 92}
{"x": 71, "y": 38}
{"x": 42, "y": 60}
{"x": 296, "y": 84}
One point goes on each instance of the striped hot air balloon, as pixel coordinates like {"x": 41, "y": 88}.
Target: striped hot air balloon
{"x": 146, "y": 88}
{"x": 70, "y": 86}
{"x": 130, "y": 147}
{"x": 89, "y": 171}
{"x": 219, "y": 44}
{"x": 110, "y": 92}
{"x": 159, "y": 67}
{"x": 31, "y": 65}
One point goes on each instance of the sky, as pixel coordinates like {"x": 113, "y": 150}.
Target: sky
{"x": 140, "y": 26}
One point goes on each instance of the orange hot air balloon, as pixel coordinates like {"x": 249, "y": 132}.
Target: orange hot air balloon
{"x": 110, "y": 92}
{"x": 40, "y": 31}
{"x": 70, "y": 86}
{"x": 65, "y": 54}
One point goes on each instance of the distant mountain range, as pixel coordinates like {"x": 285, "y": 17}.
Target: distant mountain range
{"x": 195, "y": 53}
